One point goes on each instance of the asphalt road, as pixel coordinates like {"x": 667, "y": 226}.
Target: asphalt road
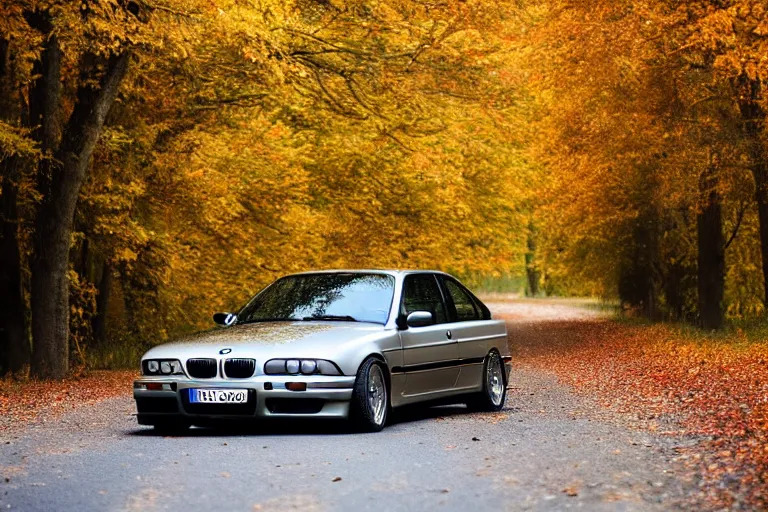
{"x": 545, "y": 451}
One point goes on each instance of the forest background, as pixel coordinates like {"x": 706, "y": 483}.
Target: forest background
{"x": 162, "y": 159}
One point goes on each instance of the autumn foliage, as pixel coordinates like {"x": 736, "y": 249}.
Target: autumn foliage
{"x": 651, "y": 139}
{"x": 165, "y": 159}
{"x": 245, "y": 140}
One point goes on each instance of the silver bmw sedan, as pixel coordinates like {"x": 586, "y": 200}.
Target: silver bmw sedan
{"x": 349, "y": 344}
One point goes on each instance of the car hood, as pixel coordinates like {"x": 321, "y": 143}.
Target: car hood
{"x": 316, "y": 339}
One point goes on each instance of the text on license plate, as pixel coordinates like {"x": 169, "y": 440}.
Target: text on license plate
{"x": 218, "y": 396}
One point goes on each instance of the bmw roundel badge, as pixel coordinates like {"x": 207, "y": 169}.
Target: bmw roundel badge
{"x": 225, "y": 351}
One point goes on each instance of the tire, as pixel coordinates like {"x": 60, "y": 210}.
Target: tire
{"x": 369, "y": 407}
{"x": 171, "y": 427}
{"x": 494, "y": 393}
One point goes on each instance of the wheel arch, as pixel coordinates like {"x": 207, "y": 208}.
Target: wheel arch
{"x": 503, "y": 364}
{"x": 387, "y": 376}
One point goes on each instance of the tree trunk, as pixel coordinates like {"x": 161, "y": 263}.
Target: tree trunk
{"x": 638, "y": 279}
{"x": 55, "y": 217}
{"x": 14, "y": 344}
{"x": 532, "y": 273}
{"x": 673, "y": 291}
{"x": 49, "y": 355}
{"x": 760, "y": 171}
{"x": 750, "y": 93}
{"x": 99, "y": 322}
{"x": 711, "y": 253}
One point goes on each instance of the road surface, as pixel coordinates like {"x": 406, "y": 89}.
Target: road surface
{"x": 547, "y": 450}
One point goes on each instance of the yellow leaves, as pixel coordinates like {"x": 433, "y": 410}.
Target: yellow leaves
{"x": 626, "y": 106}
{"x": 256, "y": 139}
{"x": 16, "y": 142}
{"x": 126, "y": 255}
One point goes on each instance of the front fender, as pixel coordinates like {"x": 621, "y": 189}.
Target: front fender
{"x": 351, "y": 355}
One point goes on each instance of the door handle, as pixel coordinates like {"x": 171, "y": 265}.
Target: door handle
{"x": 448, "y": 334}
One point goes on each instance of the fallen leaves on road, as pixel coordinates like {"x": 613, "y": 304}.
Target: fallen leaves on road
{"x": 571, "y": 491}
{"x": 24, "y": 402}
{"x": 712, "y": 388}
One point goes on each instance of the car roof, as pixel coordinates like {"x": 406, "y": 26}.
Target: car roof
{"x": 370, "y": 271}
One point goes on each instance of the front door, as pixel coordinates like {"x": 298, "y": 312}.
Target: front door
{"x": 430, "y": 353}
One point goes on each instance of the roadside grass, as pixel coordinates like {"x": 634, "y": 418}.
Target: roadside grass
{"x": 678, "y": 380}
{"x": 736, "y": 334}
{"x": 506, "y": 284}
{"x": 119, "y": 355}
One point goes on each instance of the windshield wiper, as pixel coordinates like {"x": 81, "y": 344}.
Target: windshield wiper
{"x": 255, "y": 320}
{"x": 340, "y": 318}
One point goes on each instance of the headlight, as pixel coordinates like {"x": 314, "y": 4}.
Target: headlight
{"x": 161, "y": 367}
{"x": 308, "y": 367}
{"x": 304, "y": 366}
{"x": 292, "y": 366}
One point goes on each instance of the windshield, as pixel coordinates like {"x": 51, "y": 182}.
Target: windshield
{"x": 348, "y": 297}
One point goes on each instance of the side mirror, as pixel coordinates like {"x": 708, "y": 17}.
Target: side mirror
{"x": 225, "y": 318}
{"x": 420, "y": 319}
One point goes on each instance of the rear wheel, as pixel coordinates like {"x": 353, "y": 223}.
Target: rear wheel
{"x": 494, "y": 393}
{"x": 370, "y": 399}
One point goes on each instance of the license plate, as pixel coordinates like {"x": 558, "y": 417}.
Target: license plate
{"x": 218, "y": 396}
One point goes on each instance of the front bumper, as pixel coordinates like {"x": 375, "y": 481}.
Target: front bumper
{"x": 268, "y": 397}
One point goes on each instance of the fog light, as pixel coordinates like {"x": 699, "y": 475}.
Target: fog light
{"x": 292, "y": 366}
{"x": 154, "y": 386}
{"x": 296, "y": 386}
{"x": 308, "y": 367}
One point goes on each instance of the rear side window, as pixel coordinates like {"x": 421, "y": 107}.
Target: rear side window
{"x": 421, "y": 293}
{"x": 466, "y": 309}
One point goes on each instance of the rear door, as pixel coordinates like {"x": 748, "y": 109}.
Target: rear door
{"x": 474, "y": 333}
{"x": 430, "y": 353}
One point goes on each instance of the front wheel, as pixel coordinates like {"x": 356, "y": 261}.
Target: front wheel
{"x": 370, "y": 399}
{"x": 494, "y": 393}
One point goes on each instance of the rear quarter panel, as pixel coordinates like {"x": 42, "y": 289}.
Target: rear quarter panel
{"x": 476, "y": 339}
{"x": 479, "y": 337}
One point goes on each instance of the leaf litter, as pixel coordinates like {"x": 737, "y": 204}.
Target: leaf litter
{"x": 711, "y": 391}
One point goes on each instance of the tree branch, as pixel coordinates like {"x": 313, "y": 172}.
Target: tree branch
{"x": 331, "y": 100}
{"x": 175, "y": 12}
{"x": 739, "y": 218}
{"x": 237, "y": 101}
{"x": 87, "y": 120}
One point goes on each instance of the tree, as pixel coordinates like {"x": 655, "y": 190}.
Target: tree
{"x": 190, "y": 152}
{"x": 638, "y": 97}
{"x": 18, "y": 151}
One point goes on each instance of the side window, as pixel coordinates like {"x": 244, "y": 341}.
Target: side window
{"x": 465, "y": 306}
{"x": 421, "y": 293}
